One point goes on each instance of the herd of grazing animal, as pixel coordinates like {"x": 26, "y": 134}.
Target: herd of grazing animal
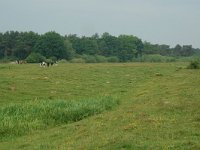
{"x": 46, "y": 64}
{"x": 42, "y": 64}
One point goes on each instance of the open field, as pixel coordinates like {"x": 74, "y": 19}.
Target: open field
{"x": 155, "y": 106}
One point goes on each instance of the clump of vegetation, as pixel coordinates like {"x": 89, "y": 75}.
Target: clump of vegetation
{"x": 155, "y": 58}
{"x": 100, "y": 59}
{"x": 89, "y": 58}
{"x": 18, "y": 119}
{"x": 195, "y": 64}
{"x": 77, "y": 60}
{"x": 35, "y": 58}
{"x": 113, "y": 59}
{"x": 63, "y": 61}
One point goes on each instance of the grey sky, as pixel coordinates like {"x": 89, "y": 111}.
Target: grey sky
{"x": 157, "y": 21}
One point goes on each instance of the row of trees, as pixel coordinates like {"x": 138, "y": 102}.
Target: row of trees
{"x": 165, "y": 50}
{"x": 20, "y": 45}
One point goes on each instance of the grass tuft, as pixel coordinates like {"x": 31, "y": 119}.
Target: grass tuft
{"x": 17, "y": 120}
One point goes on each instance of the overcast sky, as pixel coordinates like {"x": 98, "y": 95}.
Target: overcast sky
{"x": 157, "y": 21}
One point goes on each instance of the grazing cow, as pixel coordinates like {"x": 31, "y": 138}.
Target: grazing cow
{"x": 46, "y": 64}
{"x": 43, "y": 64}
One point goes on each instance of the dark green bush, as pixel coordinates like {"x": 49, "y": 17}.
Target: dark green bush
{"x": 63, "y": 61}
{"x": 113, "y": 59}
{"x": 195, "y": 64}
{"x": 77, "y": 60}
{"x": 89, "y": 58}
{"x": 53, "y": 58}
{"x": 35, "y": 58}
{"x": 100, "y": 59}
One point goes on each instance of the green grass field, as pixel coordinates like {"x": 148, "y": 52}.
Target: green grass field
{"x": 99, "y": 106}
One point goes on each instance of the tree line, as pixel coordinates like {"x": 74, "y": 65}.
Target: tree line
{"x": 36, "y": 47}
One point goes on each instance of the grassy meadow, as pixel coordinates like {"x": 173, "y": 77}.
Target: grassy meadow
{"x": 99, "y": 106}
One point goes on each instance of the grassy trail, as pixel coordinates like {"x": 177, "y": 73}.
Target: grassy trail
{"x": 159, "y": 106}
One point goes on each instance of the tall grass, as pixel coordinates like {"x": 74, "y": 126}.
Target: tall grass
{"x": 21, "y": 119}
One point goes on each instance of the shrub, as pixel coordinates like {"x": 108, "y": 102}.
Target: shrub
{"x": 113, "y": 59}
{"x": 77, "y": 60}
{"x": 152, "y": 58}
{"x": 100, "y": 59}
{"x": 89, "y": 58}
{"x": 62, "y": 61}
{"x": 35, "y": 58}
{"x": 195, "y": 64}
{"x": 53, "y": 58}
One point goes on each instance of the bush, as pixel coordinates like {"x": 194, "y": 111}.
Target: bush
{"x": 63, "y": 61}
{"x": 195, "y": 64}
{"x": 35, "y": 58}
{"x": 89, "y": 58}
{"x": 77, "y": 60}
{"x": 53, "y": 58}
{"x": 49, "y": 60}
{"x": 100, "y": 59}
{"x": 152, "y": 58}
{"x": 113, "y": 59}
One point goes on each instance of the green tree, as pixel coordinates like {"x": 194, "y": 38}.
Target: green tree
{"x": 88, "y": 46}
{"x": 165, "y": 50}
{"x": 9, "y": 42}
{"x": 35, "y": 58}
{"x": 148, "y": 48}
{"x": 75, "y": 40}
{"x": 95, "y": 36}
{"x": 1, "y": 46}
{"x": 127, "y": 48}
{"x": 140, "y": 47}
{"x": 70, "y": 52}
{"x": 108, "y": 45}
{"x": 177, "y": 50}
{"x": 51, "y": 44}
{"x": 25, "y": 43}
{"x": 187, "y": 50}
{"x": 21, "y": 51}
